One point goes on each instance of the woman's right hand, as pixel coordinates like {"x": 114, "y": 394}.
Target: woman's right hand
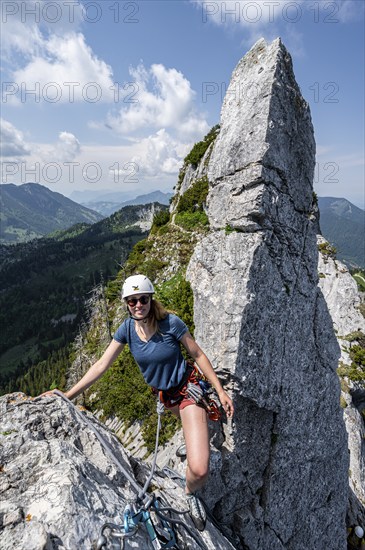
{"x": 49, "y": 393}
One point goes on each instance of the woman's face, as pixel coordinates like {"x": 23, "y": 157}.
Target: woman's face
{"x": 139, "y": 305}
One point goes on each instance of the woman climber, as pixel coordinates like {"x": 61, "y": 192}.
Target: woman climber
{"x": 154, "y": 336}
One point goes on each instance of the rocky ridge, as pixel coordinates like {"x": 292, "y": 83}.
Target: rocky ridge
{"x": 342, "y": 297}
{"x": 281, "y": 478}
{"x": 59, "y": 485}
{"x": 280, "y": 469}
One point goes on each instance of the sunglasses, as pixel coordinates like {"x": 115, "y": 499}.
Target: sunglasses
{"x": 142, "y": 300}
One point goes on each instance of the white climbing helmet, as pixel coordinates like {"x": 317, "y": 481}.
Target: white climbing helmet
{"x": 359, "y": 531}
{"x": 137, "y": 284}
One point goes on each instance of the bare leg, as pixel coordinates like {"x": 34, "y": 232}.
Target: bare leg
{"x": 196, "y": 433}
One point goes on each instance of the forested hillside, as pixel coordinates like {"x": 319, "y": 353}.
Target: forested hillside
{"x": 46, "y": 283}
{"x": 163, "y": 256}
{"x": 74, "y": 260}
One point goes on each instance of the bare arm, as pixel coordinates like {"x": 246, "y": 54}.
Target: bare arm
{"x": 205, "y": 365}
{"x": 96, "y": 370}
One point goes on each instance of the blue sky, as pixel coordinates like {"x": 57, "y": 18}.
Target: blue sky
{"x": 112, "y": 95}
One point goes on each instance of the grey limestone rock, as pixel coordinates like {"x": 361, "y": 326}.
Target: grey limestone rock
{"x": 59, "y": 486}
{"x": 343, "y": 301}
{"x": 281, "y": 478}
{"x": 279, "y": 469}
{"x": 340, "y": 291}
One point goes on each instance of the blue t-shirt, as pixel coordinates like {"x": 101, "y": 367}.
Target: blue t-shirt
{"x": 160, "y": 359}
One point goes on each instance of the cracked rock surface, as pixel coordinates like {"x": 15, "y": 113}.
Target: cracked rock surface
{"x": 342, "y": 297}
{"x": 282, "y": 476}
{"x": 58, "y": 485}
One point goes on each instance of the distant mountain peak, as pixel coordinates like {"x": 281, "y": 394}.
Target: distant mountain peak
{"x": 32, "y": 210}
{"x": 107, "y": 207}
{"x": 342, "y": 224}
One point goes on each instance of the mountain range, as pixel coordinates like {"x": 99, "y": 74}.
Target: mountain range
{"x": 45, "y": 282}
{"x": 109, "y": 203}
{"x": 32, "y": 210}
{"x": 343, "y": 225}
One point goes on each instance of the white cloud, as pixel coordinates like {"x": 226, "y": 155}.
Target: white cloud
{"x": 66, "y": 161}
{"x": 163, "y": 98}
{"x": 68, "y": 147}
{"x": 160, "y": 153}
{"x": 12, "y": 141}
{"x": 18, "y": 36}
{"x": 26, "y": 22}
{"x": 66, "y": 70}
{"x": 44, "y": 51}
{"x": 38, "y": 162}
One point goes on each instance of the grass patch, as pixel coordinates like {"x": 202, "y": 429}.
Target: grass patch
{"x": 327, "y": 250}
{"x": 192, "y": 220}
{"x": 160, "y": 219}
{"x": 360, "y": 280}
{"x": 199, "y": 149}
{"x": 194, "y": 198}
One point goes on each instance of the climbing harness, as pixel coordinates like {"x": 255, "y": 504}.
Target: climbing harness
{"x": 196, "y": 387}
{"x": 201, "y": 397}
{"x": 162, "y": 535}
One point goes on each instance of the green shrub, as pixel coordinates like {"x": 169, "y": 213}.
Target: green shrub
{"x": 169, "y": 425}
{"x": 192, "y": 220}
{"x": 362, "y": 309}
{"x": 356, "y": 336}
{"x": 359, "y": 276}
{"x": 357, "y": 354}
{"x": 355, "y": 371}
{"x": 230, "y": 229}
{"x": 176, "y": 295}
{"x": 327, "y": 250}
{"x": 122, "y": 390}
{"x": 193, "y": 158}
{"x": 199, "y": 149}
{"x": 138, "y": 254}
{"x": 164, "y": 230}
{"x": 343, "y": 403}
{"x": 160, "y": 218}
{"x": 152, "y": 267}
{"x": 194, "y": 198}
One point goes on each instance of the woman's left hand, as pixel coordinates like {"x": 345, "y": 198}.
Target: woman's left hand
{"x": 227, "y": 403}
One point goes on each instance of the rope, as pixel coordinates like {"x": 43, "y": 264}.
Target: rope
{"x": 140, "y": 491}
{"x": 160, "y": 410}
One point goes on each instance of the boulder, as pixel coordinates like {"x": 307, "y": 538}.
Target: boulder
{"x": 60, "y": 484}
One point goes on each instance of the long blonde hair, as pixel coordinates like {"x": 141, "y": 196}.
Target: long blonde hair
{"x": 157, "y": 313}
